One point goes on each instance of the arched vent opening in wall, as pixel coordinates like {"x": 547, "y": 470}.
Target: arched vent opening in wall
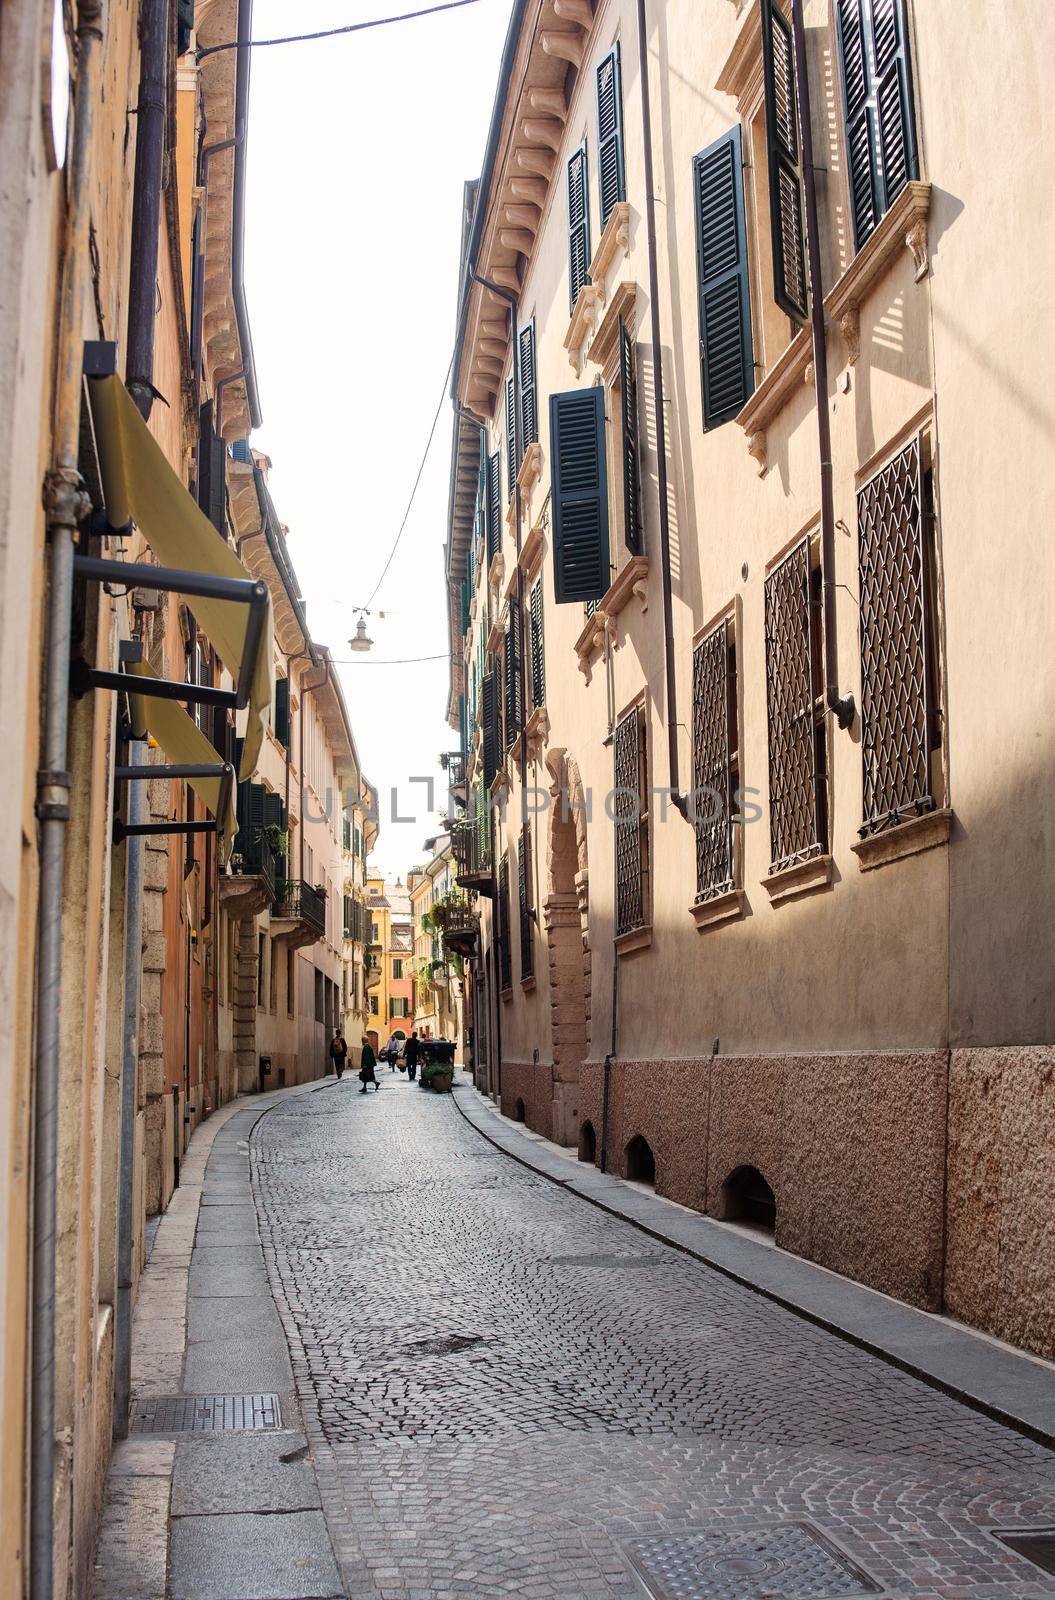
{"x": 587, "y": 1143}
{"x": 748, "y": 1198}
{"x": 640, "y": 1162}
{"x": 520, "y": 1113}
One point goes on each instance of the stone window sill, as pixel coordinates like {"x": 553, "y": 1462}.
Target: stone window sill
{"x": 814, "y": 873}
{"x": 722, "y": 908}
{"x": 928, "y": 832}
{"x": 530, "y": 556}
{"x": 632, "y": 580}
{"x": 635, "y": 939}
{"x": 507, "y": 994}
{"x": 528, "y": 983}
{"x": 530, "y": 468}
{"x": 904, "y": 226}
{"x": 604, "y": 348}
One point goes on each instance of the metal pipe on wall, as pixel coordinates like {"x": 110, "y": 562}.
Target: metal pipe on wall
{"x": 670, "y": 677}
{"x": 146, "y": 201}
{"x": 66, "y": 503}
{"x": 842, "y": 705}
{"x": 133, "y": 967}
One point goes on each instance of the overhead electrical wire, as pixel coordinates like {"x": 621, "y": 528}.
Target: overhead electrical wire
{"x": 330, "y": 33}
{"x": 407, "y": 661}
{"x": 413, "y": 492}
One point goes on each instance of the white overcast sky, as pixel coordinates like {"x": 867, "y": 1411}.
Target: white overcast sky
{"x": 358, "y": 150}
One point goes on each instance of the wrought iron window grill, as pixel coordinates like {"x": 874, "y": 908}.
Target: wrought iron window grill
{"x": 797, "y": 776}
{"x": 897, "y": 741}
{"x": 527, "y": 944}
{"x": 713, "y": 759}
{"x": 631, "y": 822}
{"x": 505, "y": 961}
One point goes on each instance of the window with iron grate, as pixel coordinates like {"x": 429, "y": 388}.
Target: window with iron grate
{"x": 505, "y": 954}
{"x": 900, "y": 716}
{"x": 798, "y": 728}
{"x": 527, "y": 944}
{"x": 715, "y": 759}
{"x": 629, "y": 810}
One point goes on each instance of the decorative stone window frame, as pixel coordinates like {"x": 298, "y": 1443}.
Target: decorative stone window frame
{"x": 530, "y": 468}
{"x": 585, "y": 317}
{"x": 604, "y": 347}
{"x": 629, "y": 583}
{"x": 615, "y": 238}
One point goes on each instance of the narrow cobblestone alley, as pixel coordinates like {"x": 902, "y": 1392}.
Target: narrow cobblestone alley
{"x": 508, "y": 1392}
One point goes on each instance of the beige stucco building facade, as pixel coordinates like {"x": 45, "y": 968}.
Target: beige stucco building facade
{"x": 438, "y": 971}
{"x": 821, "y": 995}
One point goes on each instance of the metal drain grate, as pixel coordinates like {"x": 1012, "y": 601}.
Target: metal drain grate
{"x": 206, "y": 1413}
{"x": 790, "y": 1561}
{"x": 1035, "y": 1544}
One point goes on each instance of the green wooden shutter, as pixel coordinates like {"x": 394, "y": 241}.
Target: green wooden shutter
{"x": 785, "y": 163}
{"x": 536, "y": 647}
{"x": 628, "y": 399}
{"x": 212, "y": 471}
{"x": 513, "y": 701}
{"x": 528, "y": 419}
{"x": 580, "y": 495}
{"x": 512, "y": 456}
{"x": 494, "y": 506}
{"x": 491, "y": 741}
{"x": 721, "y": 255}
{"x": 578, "y": 223}
{"x": 610, "y": 166}
{"x": 876, "y": 73}
{"x": 282, "y": 711}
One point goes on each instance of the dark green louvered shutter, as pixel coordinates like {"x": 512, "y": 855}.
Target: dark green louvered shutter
{"x": 628, "y": 400}
{"x": 876, "y": 73}
{"x": 536, "y": 648}
{"x": 578, "y": 224}
{"x": 511, "y": 659}
{"x": 491, "y": 730}
{"x": 512, "y": 457}
{"x": 610, "y": 166}
{"x": 721, "y": 255}
{"x": 785, "y": 163}
{"x": 580, "y": 495}
{"x": 494, "y": 506}
{"x": 212, "y": 471}
{"x": 466, "y": 600}
{"x": 528, "y": 419}
{"x": 274, "y": 812}
{"x": 282, "y": 711}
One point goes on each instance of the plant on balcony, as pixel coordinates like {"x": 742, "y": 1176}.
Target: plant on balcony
{"x": 276, "y": 838}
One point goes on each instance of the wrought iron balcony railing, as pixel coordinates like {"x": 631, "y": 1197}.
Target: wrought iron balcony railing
{"x": 471, "y": 847}
{"x": 254, "y": 858}
{"x": 304, "y": 904}
{"x": 460, "y": 925}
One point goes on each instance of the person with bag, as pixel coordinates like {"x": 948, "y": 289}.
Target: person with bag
{"x": 339, "y": 1052}
{"x": 410, "y": 1055}
{"x": 367, "y": 1064}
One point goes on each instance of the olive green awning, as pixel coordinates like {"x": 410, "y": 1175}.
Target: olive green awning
{"x": 184, "y": 743}
{"x": 140, "y": 486}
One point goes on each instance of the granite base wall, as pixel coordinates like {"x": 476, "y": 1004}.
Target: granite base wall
{"x": 1000, "y": 1252}
{"x": 531, "y": 1083}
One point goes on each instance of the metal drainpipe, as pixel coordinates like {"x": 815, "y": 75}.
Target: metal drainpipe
{"x": 133, "y": 964}
{"x": 139, "y": 368}
{"x": 676, "y": 795}
{"x": 66, "y": 503}
{"x": 146, "y": 202}
{"x": 842, "y": 705}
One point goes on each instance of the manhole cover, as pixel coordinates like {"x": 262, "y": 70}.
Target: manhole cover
{"x": 205, "y": 1413}
{"x": 1036, "y": 1544}
{"x": 789, "y": 1562}
{"x": 447, "y": 1344}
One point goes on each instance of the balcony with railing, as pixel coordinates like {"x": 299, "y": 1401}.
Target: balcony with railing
{"x": 471, "y": 848}
{"x": 460, "y": 925}
{"x": 453, "y": 761}
{"x": 256, "y": 870}
{"x": 373, "y": 967}
{"x": 299, "y": 917}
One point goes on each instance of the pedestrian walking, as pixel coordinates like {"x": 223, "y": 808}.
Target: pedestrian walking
{"x": 366, "y": 1067}
{"x": 339, "y": 1052}
{"x": 410, "y": 1056}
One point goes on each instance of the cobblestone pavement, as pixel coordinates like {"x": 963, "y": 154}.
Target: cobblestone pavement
{"x": 512, "y": 1393}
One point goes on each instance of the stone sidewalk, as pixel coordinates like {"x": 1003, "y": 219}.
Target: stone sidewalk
{"x": 213, "y": 1514}
{"x": 1006, "y": 1384}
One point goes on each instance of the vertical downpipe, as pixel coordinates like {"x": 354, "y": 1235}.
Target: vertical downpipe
{"x": 133, "y": 967}
{"x": 65, "y": 503}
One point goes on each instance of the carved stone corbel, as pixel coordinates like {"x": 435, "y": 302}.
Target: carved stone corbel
{"x": 556, "y": 761}
{"x": 850, "y": 328}
{"x": 565, "y": 44}
{"x": 916, "y": 240}
{"x": 756, "y": 447}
